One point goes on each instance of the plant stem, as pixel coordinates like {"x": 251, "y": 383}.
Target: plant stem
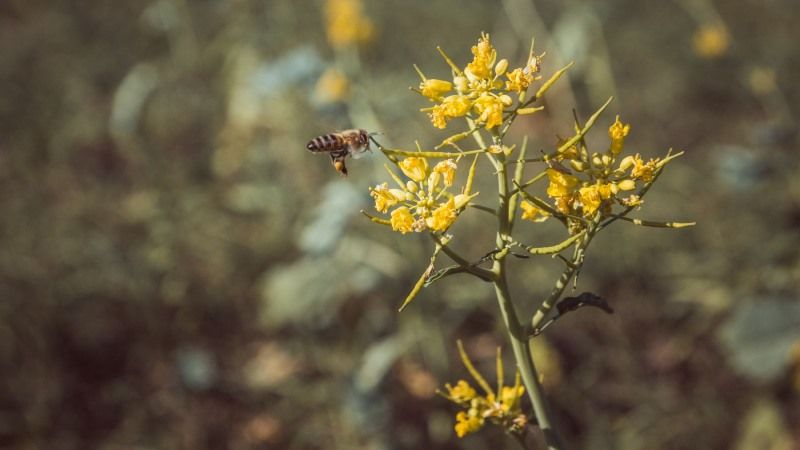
{"x": 520, "y": 343}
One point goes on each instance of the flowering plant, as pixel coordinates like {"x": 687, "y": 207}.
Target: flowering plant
{"x": 586, "y": 192}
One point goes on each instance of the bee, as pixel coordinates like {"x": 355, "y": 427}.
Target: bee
{"x": 354, "y": 142}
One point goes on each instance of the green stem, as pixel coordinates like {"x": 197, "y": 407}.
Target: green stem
{"x": 520, "y": 342}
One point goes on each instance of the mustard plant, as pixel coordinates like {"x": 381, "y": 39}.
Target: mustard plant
{"x": 586, "y": 191}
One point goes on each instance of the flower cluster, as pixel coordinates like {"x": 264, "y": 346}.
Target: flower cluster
{"x": 500, "y": 406}
{"x": 480, "y": 90}
{"x": 593, "y": 183}
{"x": 346, "y": 24}
{"x": 423, "y": 201}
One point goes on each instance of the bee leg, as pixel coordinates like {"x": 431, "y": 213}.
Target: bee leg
{"x": 338, "y": 163}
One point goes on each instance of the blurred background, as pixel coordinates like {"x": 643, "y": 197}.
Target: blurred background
{"x": 178, "y": 272}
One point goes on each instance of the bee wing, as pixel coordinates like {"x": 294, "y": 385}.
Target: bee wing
{"x": 358, "y": 151}
{"x": 360, "y": 154}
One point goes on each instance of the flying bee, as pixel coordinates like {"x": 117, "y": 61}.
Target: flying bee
{"x": 354, "y": 142}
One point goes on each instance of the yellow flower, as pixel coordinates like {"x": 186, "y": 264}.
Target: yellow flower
{"x": 711, "y": 41}
{"x": 402, "y": 220}
{"x": 564, "y": 204}
{"x": 643, "y": 171}
{"x": 518, "y": 80}
{"x": 447, "y": 169}
{"x": 484, "y": 56}
{"x": 606, "y": 190}
{"x": 456, "y": 105}
{"x": 633, "y": 200}
{"x": 434, "y": 89}
{"x": 443, "y": 216}
{"x": 462, "y": 392}
{"x": 467, "y": 423}
{"x": 561, "y": 184}
{"x": 617, "y": 132}
{"x": 452, "y": 106}
{"x": 490, "y": 109}
{"x": 510, "y": 396}
{"x": 532, "y": 212}
{"x": 415, "y": 168}
{"x": 346, "y": 24}
{"x": 385, "y": 197}
{"x": 438, "y": 116}
{"x": 590, "y": 198}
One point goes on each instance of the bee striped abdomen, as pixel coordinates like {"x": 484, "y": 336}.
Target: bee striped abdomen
{"x": 326, "y": 143}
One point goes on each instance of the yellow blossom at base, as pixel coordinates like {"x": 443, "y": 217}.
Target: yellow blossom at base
{"x": 414, "y": 168}
{"x": 402, "y": 220}
{"x": 617, "y": 132}
{"x": 466, "y": 423}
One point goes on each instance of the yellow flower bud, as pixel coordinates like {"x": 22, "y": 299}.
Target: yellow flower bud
{"x": 597, "y": 161}
{"x": 434, "y": 89}
{"x": 411, "y": 187}
{"x": 501, "y": 67}
{"x": 461, "y": 83}
{"x": 627, "y": 185}
{"x": 626, "y": 163}
{"x": 461, "y": 200}
{"x": 494, "y": 149}
{"x": 506, "y": 99}
{"x": 531, "y": 110}
{"x": 579, "y": 166}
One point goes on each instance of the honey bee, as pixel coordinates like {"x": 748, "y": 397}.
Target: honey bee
{"x": 354, "y": 142}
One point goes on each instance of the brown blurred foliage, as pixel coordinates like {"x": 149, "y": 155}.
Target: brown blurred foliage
{"x": 177, "y": 272}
